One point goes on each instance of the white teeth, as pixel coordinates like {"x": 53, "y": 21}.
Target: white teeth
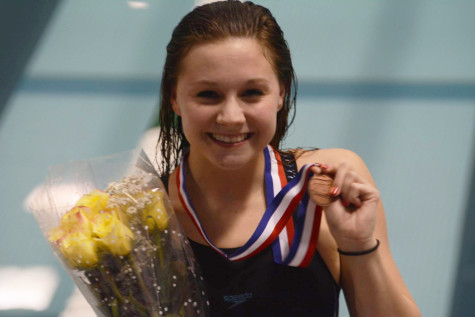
{"x": 230, "y": 139}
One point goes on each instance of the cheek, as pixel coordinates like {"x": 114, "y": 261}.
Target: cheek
{"x": 189, "y": 130}
{"x": 194, "y": 121}
{"x": 266, "y": 120}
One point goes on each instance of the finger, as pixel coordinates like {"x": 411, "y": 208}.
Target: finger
{"x": 316, "y": 168}
{"x": 328, "y": 169}
{"x": 348, "y": 177}
{"x": 339, "y": 175}
{"x": 368, "y": 192}
{"x": 358, "y": 193}
{"x": 351, "y": 195}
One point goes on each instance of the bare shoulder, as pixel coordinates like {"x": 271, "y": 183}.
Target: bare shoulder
{"x": 335, "y": 156}
{"x": 330, "y": 155}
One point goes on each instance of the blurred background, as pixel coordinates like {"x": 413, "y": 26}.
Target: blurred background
{"x": 392, "y": 80}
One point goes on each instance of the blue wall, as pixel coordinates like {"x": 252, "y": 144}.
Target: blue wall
{"x": 391, "y": 80}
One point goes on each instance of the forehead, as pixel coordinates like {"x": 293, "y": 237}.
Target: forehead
{"x": 232, "y": 56}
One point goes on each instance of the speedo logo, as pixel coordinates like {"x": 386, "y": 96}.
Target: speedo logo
{"x": 237, "y": 299}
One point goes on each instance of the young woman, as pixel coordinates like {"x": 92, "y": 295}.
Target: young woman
{"x": 228, "y": 91}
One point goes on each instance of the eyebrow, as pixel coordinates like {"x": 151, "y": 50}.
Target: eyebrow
{"x": 250, "y": 81}
{"x": 257, "y": 81}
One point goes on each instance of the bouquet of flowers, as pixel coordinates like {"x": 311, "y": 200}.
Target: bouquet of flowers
{"x": 120, "y": 241}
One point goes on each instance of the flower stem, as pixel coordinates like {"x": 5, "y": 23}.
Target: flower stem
{"x": 144, "y": 289}
{"x": 110, "y": 283}
{"x": 115, "y": 308}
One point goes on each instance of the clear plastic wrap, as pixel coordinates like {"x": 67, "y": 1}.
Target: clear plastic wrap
{"x": 110, "y": 223}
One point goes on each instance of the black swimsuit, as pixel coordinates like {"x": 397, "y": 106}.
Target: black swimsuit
{"x": 260, "y": 287}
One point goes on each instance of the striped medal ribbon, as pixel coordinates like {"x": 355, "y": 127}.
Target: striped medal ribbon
{"x": 292, "y": 244}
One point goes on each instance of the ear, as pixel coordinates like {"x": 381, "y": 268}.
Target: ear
{"x": 174, "y": 103}
{"x": 281, "y": 97}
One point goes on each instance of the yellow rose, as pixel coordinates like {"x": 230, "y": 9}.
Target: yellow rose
{"x": 79, "y": 249}
{"x": 155, "y": 213}
{"x": 96, "y": 200}
{"x": 56, "y": 234}
{"x": 77, "y": 219}
{"x": 111, "y": 233}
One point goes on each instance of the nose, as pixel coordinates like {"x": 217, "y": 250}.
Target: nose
{"x": 230, "y": 113}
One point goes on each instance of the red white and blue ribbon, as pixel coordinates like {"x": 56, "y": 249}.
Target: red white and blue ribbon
{"x": 293, "y": 244}
{"x": 274, "y": 182}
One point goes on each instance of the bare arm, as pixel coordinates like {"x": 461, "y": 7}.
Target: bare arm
{"x": 371, "y": 283}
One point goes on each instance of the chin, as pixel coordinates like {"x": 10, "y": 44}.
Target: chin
{"x": 234, "y": 161}
{"x": 231, "y": 163}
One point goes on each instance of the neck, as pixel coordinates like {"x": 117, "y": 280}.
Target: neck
{"x": 212, "y": 182}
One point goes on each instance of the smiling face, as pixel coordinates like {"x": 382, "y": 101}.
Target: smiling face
{"x": 228, "y": 96}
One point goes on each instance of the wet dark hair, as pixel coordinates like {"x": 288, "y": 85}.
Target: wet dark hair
{"x": 210, "y": 23}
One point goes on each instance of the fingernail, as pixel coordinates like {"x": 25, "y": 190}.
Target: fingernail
{"x": 334, "y": 191}
{"x": 317, "y": 164}
{"x": 325, "y": 166}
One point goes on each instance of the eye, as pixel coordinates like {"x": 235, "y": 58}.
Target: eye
{"x": 253, "y": 93}
{"x": 207, "y": 94}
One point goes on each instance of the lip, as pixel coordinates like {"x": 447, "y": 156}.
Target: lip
{"x": 229, "y": 139}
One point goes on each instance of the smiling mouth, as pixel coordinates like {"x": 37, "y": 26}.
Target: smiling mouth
{"x": 230, "y": 139}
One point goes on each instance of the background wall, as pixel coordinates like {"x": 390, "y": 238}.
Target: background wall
{"x": 391, "y": 80}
